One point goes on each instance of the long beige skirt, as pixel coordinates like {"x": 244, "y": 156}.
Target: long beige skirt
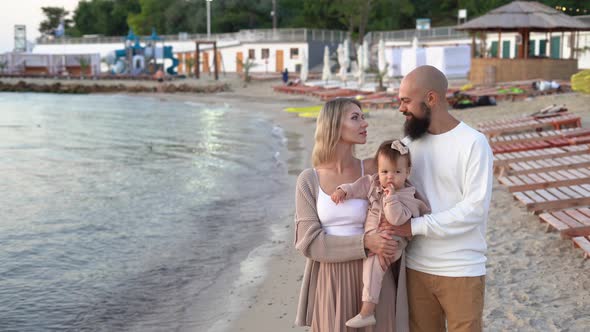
{"x": 338, "y": 298}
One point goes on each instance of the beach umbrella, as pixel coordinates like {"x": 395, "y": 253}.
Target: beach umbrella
{"x": 326, "y": 72}
{"x": 382, "y": 64}
{"x": 304, "y": 67}
{"x": 346, "y": 62}
{"x": 342, "y": 71}
{"x": 360, "y": 60}
{"x": 366, "y": 56}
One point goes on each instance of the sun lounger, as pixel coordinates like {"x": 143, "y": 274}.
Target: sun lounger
{"x": 386, "y": 102}
{"x": 571, "y": 221}
{"x": 549, "y": 164}
{"x": 538, "y": 136}
{"x": 548, "y": 179}
{"x": 549, "y": 111}
{"x": 335, "y": 93}
{"x": 501, "y": 159}
{"x": 554, "y": 198}
{"x": 557, "y": 122}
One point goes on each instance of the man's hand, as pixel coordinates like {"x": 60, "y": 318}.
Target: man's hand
{"x": 404, "y": 230}
{"x": 338, "y": 196}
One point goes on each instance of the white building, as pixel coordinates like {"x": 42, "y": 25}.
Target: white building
{"x": 270, "y": 51}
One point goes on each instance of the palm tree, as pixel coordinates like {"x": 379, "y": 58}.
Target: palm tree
{"x": 84, "y": 65}
{"x": 189, "y": 62}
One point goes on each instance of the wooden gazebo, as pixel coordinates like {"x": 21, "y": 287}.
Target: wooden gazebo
{"x": 523, "y": 17}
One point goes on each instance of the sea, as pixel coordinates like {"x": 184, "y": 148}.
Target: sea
{"x": 133, "y": 213}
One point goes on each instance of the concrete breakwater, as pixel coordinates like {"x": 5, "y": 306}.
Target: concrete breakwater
{"x": 78, "y": 88}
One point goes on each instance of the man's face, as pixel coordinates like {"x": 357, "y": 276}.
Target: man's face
{"x": 413, "y": 107}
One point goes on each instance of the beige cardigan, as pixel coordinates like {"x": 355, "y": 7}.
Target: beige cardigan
{"x": 317, "y": 246}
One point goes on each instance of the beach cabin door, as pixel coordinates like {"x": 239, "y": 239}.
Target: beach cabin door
{"x": 206, "y": 68}
{"x": 506, "y": 49}
{"x": 555, "y": 47}
{"x": 239, "y": 62}
{"x": 279, "y": 63}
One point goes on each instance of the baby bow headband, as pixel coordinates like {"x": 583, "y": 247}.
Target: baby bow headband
{"x": 399, "y": 146}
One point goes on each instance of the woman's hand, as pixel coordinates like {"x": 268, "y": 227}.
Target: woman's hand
{"x": 381, "y": 243}
{"x": 338, "y": 196}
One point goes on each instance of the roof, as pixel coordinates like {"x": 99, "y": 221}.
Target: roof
{"x": 525, "y": 15}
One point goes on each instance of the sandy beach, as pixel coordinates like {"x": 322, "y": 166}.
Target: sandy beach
{"x": 536, "y": 281}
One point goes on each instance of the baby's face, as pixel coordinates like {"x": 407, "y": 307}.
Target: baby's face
{"x": 393, "y": 172}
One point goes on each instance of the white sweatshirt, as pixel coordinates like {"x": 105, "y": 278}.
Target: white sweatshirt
{"x": 453, "y": 170}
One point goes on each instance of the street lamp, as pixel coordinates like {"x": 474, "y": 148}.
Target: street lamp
{"x": 209, "y": 19}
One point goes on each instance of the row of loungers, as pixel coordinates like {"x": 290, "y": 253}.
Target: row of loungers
{"x": 553, "y": 182}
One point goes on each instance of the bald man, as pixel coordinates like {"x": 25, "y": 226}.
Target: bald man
{"x": 452, "y": 167}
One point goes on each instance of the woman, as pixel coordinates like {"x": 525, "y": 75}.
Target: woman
{"x": 332, "y": 237}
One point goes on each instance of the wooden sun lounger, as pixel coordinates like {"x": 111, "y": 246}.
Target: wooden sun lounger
{"x": 335, "y": 93}
{"x": 380, "y": 102}
{"x": 538, "y": 136}
{"x": 568, "y": 220}
{"x": 502, "y": 159}
{"x": 549, "y": 111}
{"x": 547, "y": 179}
{"x": 549, "y": 164}
{"x": 556, "y": 122}
{"x": 554, "y": 198}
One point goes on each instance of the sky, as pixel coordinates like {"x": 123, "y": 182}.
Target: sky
{"x": 27, "y": 12}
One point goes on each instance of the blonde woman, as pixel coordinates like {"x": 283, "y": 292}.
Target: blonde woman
{"x": 332, "y": 237}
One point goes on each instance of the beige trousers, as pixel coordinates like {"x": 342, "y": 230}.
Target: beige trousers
{"x": 432, "y": 299}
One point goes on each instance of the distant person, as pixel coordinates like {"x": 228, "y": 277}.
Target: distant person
{"x": 285, "y": 76}
{"x": 159, "y": 75}
{"x": 390, "y": 195}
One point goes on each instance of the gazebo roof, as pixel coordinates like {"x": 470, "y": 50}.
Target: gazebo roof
{"x": 525, "y": 15}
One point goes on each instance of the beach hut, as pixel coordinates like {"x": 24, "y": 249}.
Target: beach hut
{"x": 524, "y": 18}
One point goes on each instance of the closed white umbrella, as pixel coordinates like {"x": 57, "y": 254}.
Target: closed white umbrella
{"x": 304, "y": 67}
{"x": 342, "y": 71}
{"x": 366, "y": 56}
{"x": 361, "y": 71}
{"x": 382, "y": 64}
{"x": 346, "y": 62}
{"x": 326, "y": 71}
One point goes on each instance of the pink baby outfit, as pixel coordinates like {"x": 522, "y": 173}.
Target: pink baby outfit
{"x": 398, "y": 208}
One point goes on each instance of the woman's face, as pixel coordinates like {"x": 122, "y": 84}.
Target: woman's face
{"x": 353, "y": 126}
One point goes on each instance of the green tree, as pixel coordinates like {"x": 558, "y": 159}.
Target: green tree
{"x": 53, "y": 16}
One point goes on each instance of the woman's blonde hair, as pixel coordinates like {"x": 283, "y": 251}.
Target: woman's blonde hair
{"x": 328, "y": 129}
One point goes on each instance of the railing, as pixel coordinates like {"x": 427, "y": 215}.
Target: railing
{"x": 259, "y": 35}
{"x": 430, "y": 34}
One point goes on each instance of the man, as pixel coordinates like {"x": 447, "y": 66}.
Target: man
{"x": 452, "y": 167}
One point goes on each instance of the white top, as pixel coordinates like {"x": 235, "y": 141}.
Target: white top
{"x": 454, "y": 172}
{"x": 344, "y": 219}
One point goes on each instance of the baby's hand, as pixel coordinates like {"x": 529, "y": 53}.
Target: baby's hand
{"x": 338, "y": 196}
{"x": 389, "y": 189}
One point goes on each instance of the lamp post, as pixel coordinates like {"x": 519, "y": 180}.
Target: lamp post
{"x": 209, "y": 19}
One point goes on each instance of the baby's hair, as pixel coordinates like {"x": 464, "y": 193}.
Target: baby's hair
{"x": 390, "y": 153}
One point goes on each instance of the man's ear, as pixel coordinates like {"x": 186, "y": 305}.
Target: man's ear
{"x": 431, "y": 98}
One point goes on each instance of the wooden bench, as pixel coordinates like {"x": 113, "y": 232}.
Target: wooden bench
{"x": 571, "y": 219}
{"x": 547, "y": 179}
{"x": 548, "y": 164}
{"x": 554, "y": 198}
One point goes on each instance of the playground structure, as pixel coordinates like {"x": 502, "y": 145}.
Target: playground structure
{"x": 136, "y": 59}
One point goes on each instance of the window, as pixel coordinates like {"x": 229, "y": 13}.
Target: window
{"x": 252, "y": 54}
{"x": 294, "y": 53}
{"x": 265, "y": 53}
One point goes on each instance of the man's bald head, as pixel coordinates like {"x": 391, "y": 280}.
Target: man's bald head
{"x": 425, "y": 79}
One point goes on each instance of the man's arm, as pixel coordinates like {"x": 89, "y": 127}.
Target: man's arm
{"x": 468, "y": 213}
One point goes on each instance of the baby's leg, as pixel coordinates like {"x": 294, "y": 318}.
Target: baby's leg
{"x": 372, "y": 279}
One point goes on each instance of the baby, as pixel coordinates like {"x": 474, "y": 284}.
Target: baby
{"x": 389, "y": 194}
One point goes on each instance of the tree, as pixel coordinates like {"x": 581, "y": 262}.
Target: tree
{"x": 53, "y": 16}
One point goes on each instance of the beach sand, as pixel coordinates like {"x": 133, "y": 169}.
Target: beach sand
{"x": 535, "y": 281}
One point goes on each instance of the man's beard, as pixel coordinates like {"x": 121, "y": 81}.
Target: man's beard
{"x": 415, "y": 127}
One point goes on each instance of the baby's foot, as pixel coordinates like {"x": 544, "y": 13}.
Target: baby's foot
{"x": 359, "y": 321}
